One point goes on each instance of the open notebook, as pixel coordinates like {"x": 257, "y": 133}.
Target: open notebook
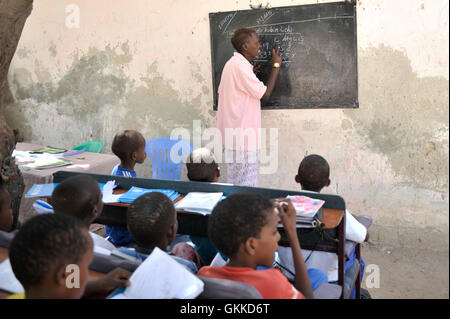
{"x": 197, "y": 202}
{"x": 161, "y": 277}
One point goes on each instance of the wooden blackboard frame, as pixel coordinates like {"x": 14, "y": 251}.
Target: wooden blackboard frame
{"x": 264, "y": 106}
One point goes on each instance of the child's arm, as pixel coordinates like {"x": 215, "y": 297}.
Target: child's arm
{"x": 302, "y": 282}
{"x": 112, "y": 280}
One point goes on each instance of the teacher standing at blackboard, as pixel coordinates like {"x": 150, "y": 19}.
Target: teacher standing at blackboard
{"x": 239, "y": 107}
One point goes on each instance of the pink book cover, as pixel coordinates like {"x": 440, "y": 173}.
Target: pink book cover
{"x": 306, "y": 206}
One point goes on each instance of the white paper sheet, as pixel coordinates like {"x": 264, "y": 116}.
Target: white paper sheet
{"x": 108, "y": 196}
{"x": 8, "y": 281}
{"x": 161, "y": 277}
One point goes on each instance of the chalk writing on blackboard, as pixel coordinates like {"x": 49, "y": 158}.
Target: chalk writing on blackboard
{"x": 317, "y": 45}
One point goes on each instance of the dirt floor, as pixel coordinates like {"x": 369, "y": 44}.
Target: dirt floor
{"x": 406, "y": 273}
{"x": 416, "y": 266}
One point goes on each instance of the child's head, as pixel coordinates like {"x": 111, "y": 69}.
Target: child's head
{"x": 6, "y": 212}
{"x": 129, "y": 146}
{"x": 152, "y": 220}
{"x": 79, "y": 196}
{"x": 50, "y": 256}
{"x": 313, "y": 173}
{"x": 202, "y": 166}
{"x": 244, "y": 226}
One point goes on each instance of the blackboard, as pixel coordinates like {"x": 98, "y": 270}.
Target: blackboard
{"x": 317, "y": 44}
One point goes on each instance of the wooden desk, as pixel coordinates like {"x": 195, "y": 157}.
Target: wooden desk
{"x": 194, "y": 224}
{"x": 4, "y": 253}
{"x": 85, "y": 162}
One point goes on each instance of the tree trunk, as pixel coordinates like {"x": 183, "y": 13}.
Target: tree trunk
{"x": 13, "y": 14}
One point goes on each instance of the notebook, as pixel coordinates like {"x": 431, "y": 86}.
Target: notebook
{"x": 8, "y": 280}
{"x": 135, "y": 192}
{"x": 43, "y": 162}
{"x": 161, "y": 277}
{"x": 198, "y": 202}
{"x": 46, "y": 190}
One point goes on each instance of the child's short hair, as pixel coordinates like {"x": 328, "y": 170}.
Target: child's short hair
{"x": 44, "y": 242}
{"x": 149, "y": 218}
{"x": 240, "y": 36}
{"x": 126, "y": 142}
{"x": 76, "y": 196}
{"x": 237, "y": 218}
{"x": 202, "y": 166}
{"x": 313, "y": 173}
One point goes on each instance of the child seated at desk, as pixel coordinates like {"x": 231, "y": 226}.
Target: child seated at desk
{"x": 41, "y": 252}
{"x": 80, "y": 197}
{"x": 313, "y": 175}
{"x": 152, "y": 221}
{"x": 6, "y": 212}
{"x": 203, "y": 167}
{"x": 129, "y": 147}
{"x": 244, "y": 227}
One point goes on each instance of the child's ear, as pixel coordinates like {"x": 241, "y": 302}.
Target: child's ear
{"x": 328, "y": 183}
{"x": 60, "y": 275}
{"x": 250, "y": 246}
{"x": 133, "y": 156}
{"x": 218, "y": 172}
{"x": 297, "y": 179}
{"x": 172, "y": 232}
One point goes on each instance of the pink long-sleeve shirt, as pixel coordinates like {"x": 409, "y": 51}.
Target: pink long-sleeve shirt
{"x": 239, "y": 105}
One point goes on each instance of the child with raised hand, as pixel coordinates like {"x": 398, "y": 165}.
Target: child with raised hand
{"x": 129, "y": 147}
{"x": 47, "y": 253}
{"x": 6, "y": 212}
{"x": 80, "y": 197}
{"x": 152, "y": 221}
{"x": 244, "y": 227}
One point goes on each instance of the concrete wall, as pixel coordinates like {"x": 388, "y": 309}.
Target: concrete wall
{"x": 146, "y": 65}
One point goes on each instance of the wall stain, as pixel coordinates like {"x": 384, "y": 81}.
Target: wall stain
{"x": 404, "y": 117}
{"x": 95, "y": 98}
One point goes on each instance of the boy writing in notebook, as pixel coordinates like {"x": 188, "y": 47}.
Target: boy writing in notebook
{"x": 44, "y": 254}
{"x": 129, "y": 147}
{"x": 80, "y": 197}
{"x": 152, "y": 221}
{"x": 244, "y": 227}
{"x": 313, "y": 175}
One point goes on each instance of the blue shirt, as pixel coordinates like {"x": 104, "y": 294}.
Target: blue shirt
{"x": 119, "y": 171}
{"x": 119, "y": 235}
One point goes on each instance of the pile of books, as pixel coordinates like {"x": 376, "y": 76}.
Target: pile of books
{"x": 308, "y": 210}
{"x": 200, "y": 203}
{"x": 135, "y": 192}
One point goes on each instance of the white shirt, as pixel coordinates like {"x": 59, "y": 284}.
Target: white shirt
{"x": 325, "y": 261}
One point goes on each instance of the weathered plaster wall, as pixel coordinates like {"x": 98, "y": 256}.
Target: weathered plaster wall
{"x": 146, "y": 65}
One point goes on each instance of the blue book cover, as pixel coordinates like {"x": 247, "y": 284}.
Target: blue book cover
{"x": 41, "y": 190}
{"x": 134, "y": 192}
{"x": 46, "y": 190}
